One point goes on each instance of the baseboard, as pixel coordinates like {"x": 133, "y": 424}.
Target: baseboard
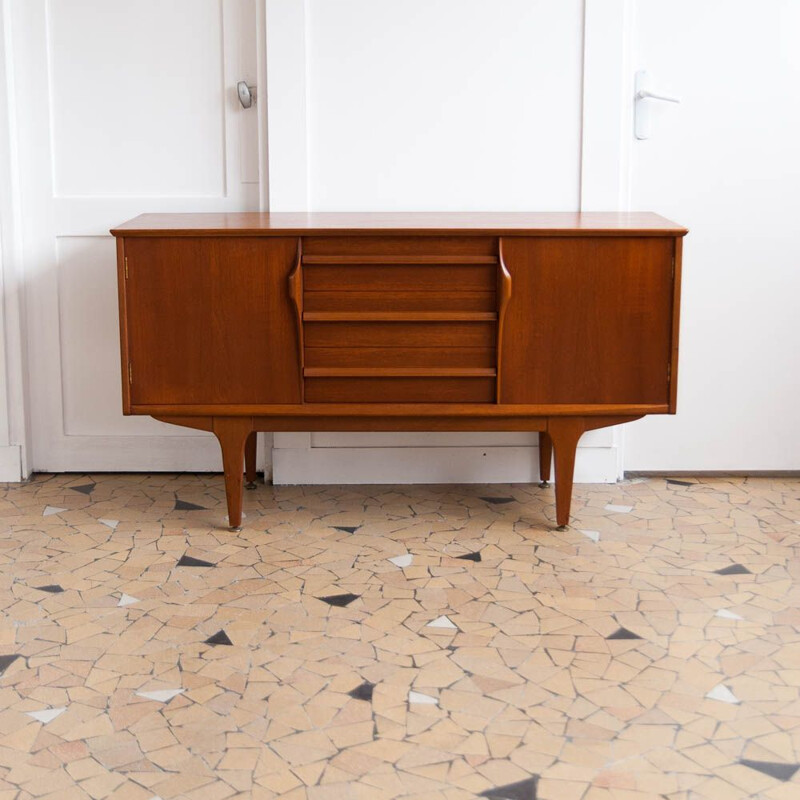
{"x": 724, "y": 473}
{"x": 381, "y": 465}
{"x": 11, "y": 464}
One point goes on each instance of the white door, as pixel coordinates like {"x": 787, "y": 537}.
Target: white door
{"x": 726, "y": 163}
{"x": 121, "y": 108}
{"x": 453, "y": 105}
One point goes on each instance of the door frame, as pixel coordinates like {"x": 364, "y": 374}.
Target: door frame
{"x": 606, "y": 141}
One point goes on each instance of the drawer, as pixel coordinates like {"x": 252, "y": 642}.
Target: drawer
{"x": 400, "y": 390}
{"x": 395, "y": 357}
{"x": 394, "y": 245}
{"x": 400, "y": 334}
{"x": 359, "y": 300}
{"x": 400, "y": 277}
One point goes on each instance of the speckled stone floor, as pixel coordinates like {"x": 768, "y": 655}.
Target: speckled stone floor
{"x": 399, "y": 642}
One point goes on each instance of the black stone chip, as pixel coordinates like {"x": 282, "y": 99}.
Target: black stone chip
{"x": 188, "y": 561}
{"x": 363, "y": 692}
{"x": 623, "y": 633}
{"x": 733, "y": 569}
{"x": 182, "y": 505}
{"x": 781, "y": 772}
{"x": 7, "y": 661}
{"x": 522, "y": 790}
{"x": 498, "y": 501}
{"x": 672, "y": 482}
{"x": 53, "y": 588}
{"x": 340, "y": 600}
{"x": 220, "y": 637}
{"x": 470, "y": 557}
{"x": 346, "y": 528}
{"x": 87, "y": 488}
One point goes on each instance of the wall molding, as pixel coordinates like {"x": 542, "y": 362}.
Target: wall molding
{"x": 14, "y": 428}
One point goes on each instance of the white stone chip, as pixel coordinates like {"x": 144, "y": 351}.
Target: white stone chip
{"x": 723, "y": 694}
{"x": 422, "y": 699}
{"x": 127, "y": 600}
{"x": 619, "y": 509}
{"x": 47, "y": 715}
{"x": 443, "y": 622}
{"x": 593, "y": 535}
{"x": 111, "y": 523}
{"x": 162, "y": 695}
{"x": 402, "y": 561}
{"x": 50, "y": 510}
{"x": 725, "y": 614}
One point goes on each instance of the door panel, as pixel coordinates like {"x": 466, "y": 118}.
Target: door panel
{"x": 210, "y": 320}
{"x": 589, "y": 320}
{"x": 123, "y": 108}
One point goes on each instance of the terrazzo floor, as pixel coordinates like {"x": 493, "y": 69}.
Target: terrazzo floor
{"x": 399, "y": 642}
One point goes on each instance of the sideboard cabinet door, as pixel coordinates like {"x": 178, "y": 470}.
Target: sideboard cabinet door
{"x": 209, "y": 320}
{"x": 589, "y": 320}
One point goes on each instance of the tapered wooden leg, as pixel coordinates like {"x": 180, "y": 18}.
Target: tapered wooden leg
{"x": 250, "y": 474}
{"x": 564, "y": 433}
{"x": 545, "y": 457}
{"x": 232, "y": 433}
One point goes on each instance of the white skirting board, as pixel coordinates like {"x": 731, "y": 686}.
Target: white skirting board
{"x": 302, "y": 458}
{"x": 10, "y": 463}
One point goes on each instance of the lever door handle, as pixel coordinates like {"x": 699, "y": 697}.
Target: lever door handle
{"x": 643, "y": 112}
{"x": 643, "y": 94}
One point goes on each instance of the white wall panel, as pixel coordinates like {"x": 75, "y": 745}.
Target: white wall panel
{"x": 136, "y": 91}
{"x": 444, "y": 104}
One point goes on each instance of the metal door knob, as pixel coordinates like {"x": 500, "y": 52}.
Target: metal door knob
{"x": 247, "y": 94}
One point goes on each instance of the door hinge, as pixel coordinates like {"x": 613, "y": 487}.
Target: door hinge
{"x": 130, "y": 372}
{"x": 126, "y": 267}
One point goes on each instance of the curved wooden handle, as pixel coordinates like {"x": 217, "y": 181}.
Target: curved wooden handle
{"x": 296, "y": 295}
{"x": 503, "y": 296}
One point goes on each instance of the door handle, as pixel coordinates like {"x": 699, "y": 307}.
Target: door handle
{"x": 247, "y": 94}
{"x": 643, "y": 94}
{"x": 642, "y": 112}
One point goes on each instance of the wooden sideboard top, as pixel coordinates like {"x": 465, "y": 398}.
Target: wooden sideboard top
{"x": 564, "y": 223}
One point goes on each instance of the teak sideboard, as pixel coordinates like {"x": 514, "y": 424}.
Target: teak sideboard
{"x": 243, "y": 322}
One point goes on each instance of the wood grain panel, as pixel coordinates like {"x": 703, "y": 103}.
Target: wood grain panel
{"x": 399, "y": 334}
{"x": 400, "y": 301}
{"x": 400, "y": 356}
{"x": 589, "y": 320}
{"x": 405, "y": 278}
{"x": 210, "y": 320}
{"x": 400, "y": 390}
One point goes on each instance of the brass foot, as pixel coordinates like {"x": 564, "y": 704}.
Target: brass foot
{"x": 250, "y": 486}
{"x": 544, "y": 485}
{"x": 235, "y": 528}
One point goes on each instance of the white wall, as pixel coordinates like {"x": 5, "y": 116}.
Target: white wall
{"x": 726, "y": 163}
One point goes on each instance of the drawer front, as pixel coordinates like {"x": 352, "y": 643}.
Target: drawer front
{"x": 400, "y": 390}
{"x": 443, "y": 335}
{"x": 399, "y": 319}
